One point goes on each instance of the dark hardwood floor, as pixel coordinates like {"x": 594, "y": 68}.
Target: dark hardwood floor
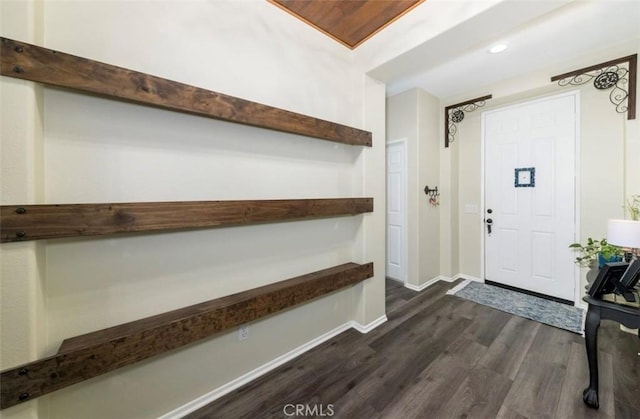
{"x": 439, "y": 356}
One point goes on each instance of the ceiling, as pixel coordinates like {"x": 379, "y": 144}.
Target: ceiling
{"x": 540, "y": 35}
{"x": 348, "y": 22}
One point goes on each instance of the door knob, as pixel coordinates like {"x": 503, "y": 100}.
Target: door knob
{"x": 489, "y": 222}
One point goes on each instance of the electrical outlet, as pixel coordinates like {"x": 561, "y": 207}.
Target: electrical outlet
{"x": 243, "y": 332}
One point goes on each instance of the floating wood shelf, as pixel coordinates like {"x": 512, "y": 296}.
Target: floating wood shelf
{"x": 34, "y": 222}
{"x": 93, "y": 354}
{"x": 31, "y": 62}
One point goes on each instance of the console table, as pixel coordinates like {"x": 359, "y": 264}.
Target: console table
{"x": 610, "y": 307}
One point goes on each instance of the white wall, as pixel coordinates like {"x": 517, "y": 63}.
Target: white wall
{"x": 429, "y": 140}
{"x": 99, "y": 150}
{"x": 468, "y": 182}
{"x": 370, "y": 244}
{"x": 413, "y": 116}
{"x": 449, "y": 219}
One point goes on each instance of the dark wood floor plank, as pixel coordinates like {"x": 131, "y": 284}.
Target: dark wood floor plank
{"x": 508, "y": 413}
{"x": 241, "y": 403}
{"x": 439, "y": 357}
{"x": 473, "y": 310}
{"x": 428, "y": 395}
{"x": 624, "y": 411}
{"x": 626, "y": 364}
{"x": 397, "y": 294}
{"x": 399, "y": 377}
{"x": 427, "y": 302}
{"x": 351, "y": 406}
{"x": 536, "y": 389}
{"x": 421, "y": 339}
{"x": 607, "y": 334}
{"x": 330, "y": 388}
{"x": 487, "y": 324}
{"x": 510, "y": 347}
{"x": 479, "y": 396}
{"x": 431, "y": 390}
{"x": 553, "y": 345}
{"x": 463, "y": 352}
{"x": 307, "y": 371}
{"x": 414, "y": 306}
{"x": 413, "y": 326}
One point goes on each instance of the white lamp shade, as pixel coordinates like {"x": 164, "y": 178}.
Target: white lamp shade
{"x": 624, "y": 233}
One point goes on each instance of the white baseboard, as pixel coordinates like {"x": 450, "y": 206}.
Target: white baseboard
{"x": 441, "y": 278}
{"x": 366, "y": 328}
{"x": 427, "y": 284}
{"x": 466, "y": 279}
{"x": 459, "y": 287}
{"x": 205, "y": 399}
{"x": 421, "y": 287}
{"x": 465, "y": 276}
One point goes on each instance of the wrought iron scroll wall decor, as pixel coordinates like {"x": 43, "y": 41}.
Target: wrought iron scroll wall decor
{"x": 454, "y": 114}
{"x": 611, "y": 75}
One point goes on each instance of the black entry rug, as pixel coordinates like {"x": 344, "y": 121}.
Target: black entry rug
{"x": 534, "y": 308}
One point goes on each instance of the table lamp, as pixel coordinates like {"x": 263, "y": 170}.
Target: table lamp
{"x": 626, "y": 233}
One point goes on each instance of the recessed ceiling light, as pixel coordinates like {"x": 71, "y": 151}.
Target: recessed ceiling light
{"x": 497, "y": 48}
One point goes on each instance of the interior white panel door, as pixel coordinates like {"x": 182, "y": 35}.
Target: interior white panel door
{"x": 396, "y": 211}
{"x": 530, "y": 166}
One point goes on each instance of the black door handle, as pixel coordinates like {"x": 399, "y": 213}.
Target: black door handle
{"x": 489, "y": 222}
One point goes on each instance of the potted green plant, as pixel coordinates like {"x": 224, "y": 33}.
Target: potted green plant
{"x": 595, "y": 254}
{"x": 597, "y": 251}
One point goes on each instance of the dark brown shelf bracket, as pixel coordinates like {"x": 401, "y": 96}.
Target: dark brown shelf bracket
{"x": 93, "y": 354}
{"x": 36, "y": 222}
{"x": 31, "y": 62}
{"x": 610, "y": 75}
{"x": 454, "y": 114}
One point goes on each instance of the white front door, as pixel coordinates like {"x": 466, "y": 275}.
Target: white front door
{"x": 530, "y": 169}
{"x": 396, "y": 211}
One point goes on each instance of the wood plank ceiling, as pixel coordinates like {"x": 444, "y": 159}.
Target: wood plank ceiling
{"x": 350, "y": 22}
